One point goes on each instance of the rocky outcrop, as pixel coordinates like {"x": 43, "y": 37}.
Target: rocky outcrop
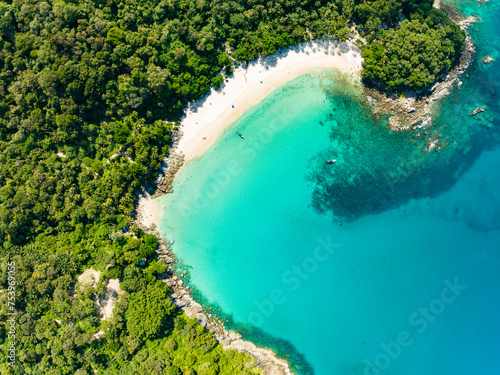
{"x": 478, "y": 110}
{"x": 487, "y": 60}
{"x": 171, "y": 166}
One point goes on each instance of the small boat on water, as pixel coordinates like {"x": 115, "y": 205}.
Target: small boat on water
{"x": 331, "y": 161}
{"x": 241, "y": 135}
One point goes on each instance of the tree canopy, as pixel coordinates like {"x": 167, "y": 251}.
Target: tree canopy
{"x": 414, "y": 55}
{"x": 150, "y": 312}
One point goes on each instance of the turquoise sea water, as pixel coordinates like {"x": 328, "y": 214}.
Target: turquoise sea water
{"x": 386, "y": 262}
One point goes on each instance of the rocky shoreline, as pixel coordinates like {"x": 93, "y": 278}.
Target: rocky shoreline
{"x": 414, "y": 110}
{"x": 170, "y": 166}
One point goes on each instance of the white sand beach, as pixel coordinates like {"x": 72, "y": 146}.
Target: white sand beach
{"x": 207, "y": 118}
{"x": 148, "y": 210}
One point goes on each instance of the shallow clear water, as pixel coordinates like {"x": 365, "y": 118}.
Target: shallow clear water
{"x": 386, "y": 261}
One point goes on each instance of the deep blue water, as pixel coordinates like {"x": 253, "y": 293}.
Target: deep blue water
{"x": 386, "y": 262}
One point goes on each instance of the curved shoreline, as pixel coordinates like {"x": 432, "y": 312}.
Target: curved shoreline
{"x": 206, "y": 119}
{"x": 204, "y": 122}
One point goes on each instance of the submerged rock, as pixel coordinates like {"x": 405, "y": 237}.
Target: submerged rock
{"x": 487, "y": 60}
{"x": 478, "y": 110}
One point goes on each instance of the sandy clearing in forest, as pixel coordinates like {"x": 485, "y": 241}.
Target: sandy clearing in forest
{"x": 108, "y": 300}
{"x": 89, "y": 277}
{"x": 105, "y": 303}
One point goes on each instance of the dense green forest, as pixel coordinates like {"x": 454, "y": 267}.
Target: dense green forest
{"x": 416, "y": 54}
{"x": 90, "y": 93}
